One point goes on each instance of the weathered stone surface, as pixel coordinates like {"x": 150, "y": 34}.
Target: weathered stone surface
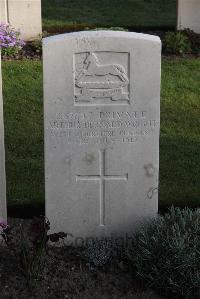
{"x": 3, "y": 215}
{"x": 189, "y": 15}
{"x": 24, "y": 15}
{"x": 101, "y": 106}
{"x": 3, "y": 11}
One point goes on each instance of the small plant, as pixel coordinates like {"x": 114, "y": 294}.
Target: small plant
{"x": 36, "y": 45}
{"x": 10, "y": 41}
{"x": 99, "y": 252}
{"x": 194, "y": 40}
{"x": 3, "y": 229}
{"x": 30, "y": 247}
{"x": 110, "y": 28}
{"x": 177, "y": 43}
{"x": 165, "y": 253}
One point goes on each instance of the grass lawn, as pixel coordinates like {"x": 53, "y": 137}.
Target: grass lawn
{"x": 179, "y": 142}
{"x": 124, "y": 13}
{"x": 22, "y": 88}
{"x": 180, "y": 138}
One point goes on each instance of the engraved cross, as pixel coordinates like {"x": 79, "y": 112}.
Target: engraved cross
{"x": 102, "y": 178}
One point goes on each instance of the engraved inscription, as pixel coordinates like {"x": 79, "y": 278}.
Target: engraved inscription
{"x": 98, "y": 81}
{"x": 103, "y": 127}
{"x": 102, "y": 178}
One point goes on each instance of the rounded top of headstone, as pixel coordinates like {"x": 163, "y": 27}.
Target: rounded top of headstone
{"x": 102, "y": 34}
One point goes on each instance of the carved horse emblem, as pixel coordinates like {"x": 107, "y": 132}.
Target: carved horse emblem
{"x": 101, "y": 80}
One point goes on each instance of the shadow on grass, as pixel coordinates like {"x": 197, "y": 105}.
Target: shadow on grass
{"x": 179, "y": 173}
{"x": 118, "y": 13}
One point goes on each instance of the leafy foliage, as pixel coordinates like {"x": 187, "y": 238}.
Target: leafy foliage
{"x": 194, "y": 40}
{"x": 36, "y": 45}
{"x": 177, "y": 43}
{"x": 10, "y": 41}
{"x": 165, "y": 253}
{"x": 110, "y": 28}
{"x": 30, "y": 247}
{"x": 99, "y": 252}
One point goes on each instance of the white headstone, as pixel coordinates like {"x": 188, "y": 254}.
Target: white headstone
{"x": 189, "y": 15}
{"x": 101, "y": 106}
{"x": 3, "y": 11}
{"x": 3, "y": 213}
{"x": 24, "y": 15}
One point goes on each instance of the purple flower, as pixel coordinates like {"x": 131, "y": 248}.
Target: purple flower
{"x": 3, "y": 224}
{"x": 9, "y": 37}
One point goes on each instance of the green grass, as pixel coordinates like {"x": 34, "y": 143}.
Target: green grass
{"x": 179, "y": 142}
{"x": 180, "y": 138}
{"x": 124, "y": 13}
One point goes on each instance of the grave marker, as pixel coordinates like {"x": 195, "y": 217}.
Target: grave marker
{"x": 101, "y": 107}
{"x": 3, "y": 11}
{"x": 189, "y": 15}
{"x": 24, "y": 15}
